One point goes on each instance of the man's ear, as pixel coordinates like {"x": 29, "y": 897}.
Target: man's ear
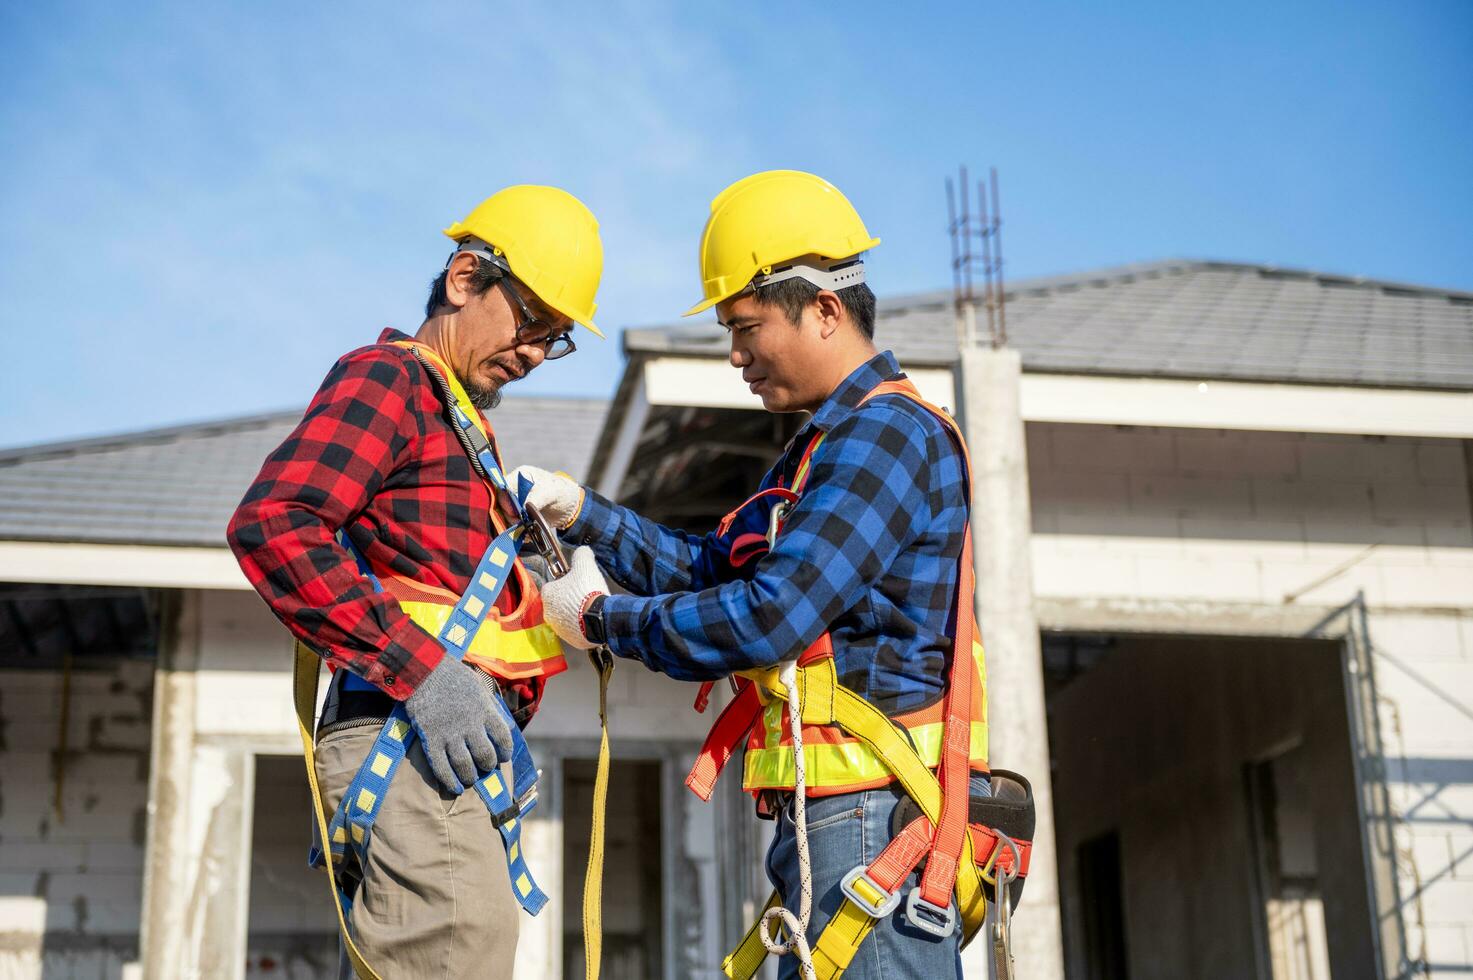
{"x": 458, "y": 279}
{"x": 830, "y": 312}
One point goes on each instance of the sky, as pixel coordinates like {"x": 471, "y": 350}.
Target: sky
{"x": 203, "y": 205}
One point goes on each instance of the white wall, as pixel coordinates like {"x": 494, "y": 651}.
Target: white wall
{"x": 1207, "y": 520}
{"x": 73, "y": 880}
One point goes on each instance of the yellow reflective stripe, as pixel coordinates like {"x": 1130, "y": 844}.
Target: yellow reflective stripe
{"x": 524, "y": 646}
{"x": 843, "y": 763}
{"x": 772, "y": 721}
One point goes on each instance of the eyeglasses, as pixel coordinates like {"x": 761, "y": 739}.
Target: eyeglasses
{"x": 536, "y": 332}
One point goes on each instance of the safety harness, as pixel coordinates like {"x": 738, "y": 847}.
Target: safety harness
{"x": 969, "y": 847}
{"x": 351, "y": 826}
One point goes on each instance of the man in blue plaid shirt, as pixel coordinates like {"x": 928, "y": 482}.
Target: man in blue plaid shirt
{"x": 869, "y": 552}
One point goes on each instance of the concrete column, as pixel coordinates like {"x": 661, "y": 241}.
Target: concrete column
{"x": 197, "y": 869}
{"x": 988, "y": 385}
{"x": 166, "y": 892}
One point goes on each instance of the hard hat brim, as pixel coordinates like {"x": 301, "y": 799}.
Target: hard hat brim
{"x": 703, "y": 306}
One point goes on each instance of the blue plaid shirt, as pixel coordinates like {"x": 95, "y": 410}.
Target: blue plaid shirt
{"x": 870, "y": 552}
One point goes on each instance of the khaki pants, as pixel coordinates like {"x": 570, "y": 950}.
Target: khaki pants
{"x": 436, "y": 900}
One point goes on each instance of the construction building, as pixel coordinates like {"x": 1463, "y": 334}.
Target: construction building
{"x": 1251, "y": 497}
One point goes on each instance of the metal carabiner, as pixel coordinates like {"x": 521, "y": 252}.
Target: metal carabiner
{"x": 545, "y": 542}
{"x": 1002, "y": 938}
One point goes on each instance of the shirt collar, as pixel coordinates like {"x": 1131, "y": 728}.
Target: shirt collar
{"x": 390, "y": 335}
{"x": 851, "y": 391}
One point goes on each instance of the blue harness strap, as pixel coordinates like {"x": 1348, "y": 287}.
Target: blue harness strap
{"x": 352, "y": 824}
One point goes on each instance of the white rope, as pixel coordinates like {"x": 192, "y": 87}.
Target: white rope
{"x": 796, "y": 925}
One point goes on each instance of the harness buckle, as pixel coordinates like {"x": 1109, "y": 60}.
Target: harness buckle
{"x": 938, "y": 920}
{"x": 862, "y": 890}
{"x": 527, "y": 800}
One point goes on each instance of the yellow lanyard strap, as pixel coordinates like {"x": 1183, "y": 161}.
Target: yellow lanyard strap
{"x": 593, "y": 878}
{"x": 304, "y": 686}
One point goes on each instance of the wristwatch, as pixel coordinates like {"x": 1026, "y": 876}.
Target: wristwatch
{"x": 593, "y": 621}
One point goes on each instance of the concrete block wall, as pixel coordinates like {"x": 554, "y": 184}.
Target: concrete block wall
{"x": 1269, "y": 520}
{"x": 1249, "y": 516}
{"x": 71, "y": 882}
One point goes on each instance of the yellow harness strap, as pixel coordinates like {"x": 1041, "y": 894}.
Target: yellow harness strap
{"x": 593, "y": 878}
{"x": 826, "y": 702}
{"x": 746, "y": 959}
{"x": 304, "y": 686}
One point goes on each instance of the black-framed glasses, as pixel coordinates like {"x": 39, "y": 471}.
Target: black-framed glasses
{"x": 536, "y": 332}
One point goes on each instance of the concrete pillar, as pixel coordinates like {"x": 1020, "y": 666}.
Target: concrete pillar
{"x": 988, "y": 385}
{"x": 197, "y": 869}
{"x": 163, "y": 924}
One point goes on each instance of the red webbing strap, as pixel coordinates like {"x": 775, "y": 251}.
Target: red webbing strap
{"x": 731, "y": 727}
{"x": 901, "y": 855}
{"x": 985, "y": 840}
{"x": 954, "y": 772}
{"x": 787, "y": 495}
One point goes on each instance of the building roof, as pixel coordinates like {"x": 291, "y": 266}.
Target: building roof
{"x": 1182, "y": 318}
{"x": 179, "y": 486}
{"x": 1219, "y": 320}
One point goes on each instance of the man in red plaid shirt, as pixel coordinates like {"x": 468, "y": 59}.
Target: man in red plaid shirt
{"x": 377, "y": 478}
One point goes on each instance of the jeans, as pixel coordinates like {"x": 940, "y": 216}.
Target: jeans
{"x": 845, "y": 831}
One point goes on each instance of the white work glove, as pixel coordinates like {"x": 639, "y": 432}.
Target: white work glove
{"x": 463, "y": 732}
{"x": 557, "y": 497}
{"x": 564, "y": 599}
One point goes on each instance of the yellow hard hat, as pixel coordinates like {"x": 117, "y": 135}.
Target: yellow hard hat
{"x": 550, "y": 241}
{"x": 773, "y": 217}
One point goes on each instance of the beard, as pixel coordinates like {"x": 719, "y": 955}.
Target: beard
{"x": 484, "y": 397}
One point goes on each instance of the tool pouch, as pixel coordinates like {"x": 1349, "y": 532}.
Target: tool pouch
{"x": 1009, "y": 810}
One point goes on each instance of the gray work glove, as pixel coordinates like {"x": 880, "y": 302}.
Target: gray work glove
{"x": 463, "y": 733}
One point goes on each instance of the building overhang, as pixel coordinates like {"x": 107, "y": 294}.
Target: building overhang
{"x": 1201, "y": 403}
{"x": 690, "y": 380}
{"x": 142, "y": 566}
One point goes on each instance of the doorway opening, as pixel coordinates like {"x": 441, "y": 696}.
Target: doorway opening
{"x": 1214, "y": 779}
{"x": 633, "y": 906}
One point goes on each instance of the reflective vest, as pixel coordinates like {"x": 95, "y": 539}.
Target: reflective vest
{"x": 510, "y": 645}
{"x": 835, "y": 762}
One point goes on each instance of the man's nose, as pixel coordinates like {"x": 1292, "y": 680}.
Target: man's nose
{"x": 533, "y": 354}
{"x": 739, "y": 357}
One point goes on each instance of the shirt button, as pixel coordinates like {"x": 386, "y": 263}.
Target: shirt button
{"x": 391, "y": 679}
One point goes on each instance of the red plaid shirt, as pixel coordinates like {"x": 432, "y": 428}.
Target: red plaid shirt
{"x": 375, "y": 454}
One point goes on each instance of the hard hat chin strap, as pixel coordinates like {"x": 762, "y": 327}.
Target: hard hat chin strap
{"x": 831, "y": 274}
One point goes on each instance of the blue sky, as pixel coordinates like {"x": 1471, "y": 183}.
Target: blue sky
{"x": 203, "y": 205}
